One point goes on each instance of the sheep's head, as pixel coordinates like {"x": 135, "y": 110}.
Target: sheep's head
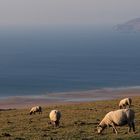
{"x": 31, "y": 112}
{"x": 99, "y": 129}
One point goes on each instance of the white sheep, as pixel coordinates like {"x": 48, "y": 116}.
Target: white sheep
{"x": 36, "y": 109}
{"x": 118, "y": 118}
{"x": 125, "y": 102}
{"x": 55, "y": 116}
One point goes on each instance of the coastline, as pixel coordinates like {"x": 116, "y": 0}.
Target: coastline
{"x": 68, "y": 97}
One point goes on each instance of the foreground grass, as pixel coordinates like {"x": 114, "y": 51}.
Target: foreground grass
{"x": 79, "y": 122}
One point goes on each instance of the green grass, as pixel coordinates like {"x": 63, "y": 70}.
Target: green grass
{"x": 78, "y": 122}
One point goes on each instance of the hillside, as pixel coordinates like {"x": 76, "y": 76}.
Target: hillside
{"x": 79, "y": 122}
{"x": 130, "y": 26}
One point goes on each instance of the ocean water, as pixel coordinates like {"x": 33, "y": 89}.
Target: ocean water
{"x": 41, "y": 61}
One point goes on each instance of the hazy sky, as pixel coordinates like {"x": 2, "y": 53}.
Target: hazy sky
{"x": 67, "y": 12}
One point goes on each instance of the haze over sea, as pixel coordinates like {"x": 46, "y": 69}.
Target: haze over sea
{"x": 41, "y": 61}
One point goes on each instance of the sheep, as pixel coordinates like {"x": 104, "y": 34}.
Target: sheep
{"x": 36, "y": 109}
{"x": 55, "y": 116}
{"x": 118, "y": 118}
{"x": 125, "y": 102}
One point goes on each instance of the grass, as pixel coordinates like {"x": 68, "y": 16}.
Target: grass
{"x": 78, "y": 122}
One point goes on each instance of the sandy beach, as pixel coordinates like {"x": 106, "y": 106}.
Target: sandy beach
{"x": 67, "y": 97}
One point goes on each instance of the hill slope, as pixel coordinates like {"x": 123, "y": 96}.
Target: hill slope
{"x": 130, "y": 26}
{"x": 79, "y": 122}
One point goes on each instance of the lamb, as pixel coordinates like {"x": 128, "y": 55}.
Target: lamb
{"x": 125, "y": 102}
{"x": 55, "y": 116}
{"x": 36, "y": 109}
{"x": 118, "y": 118}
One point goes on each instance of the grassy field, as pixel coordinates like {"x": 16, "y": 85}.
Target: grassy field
{"x": 79, "y": 122}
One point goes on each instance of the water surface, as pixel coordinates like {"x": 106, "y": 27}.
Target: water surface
{"x": 40, "y": 61}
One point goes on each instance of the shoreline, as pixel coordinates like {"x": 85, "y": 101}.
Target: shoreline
{"x": 68, "y": 97}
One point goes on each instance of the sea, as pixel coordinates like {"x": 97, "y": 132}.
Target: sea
{"x": 38, "y": 61}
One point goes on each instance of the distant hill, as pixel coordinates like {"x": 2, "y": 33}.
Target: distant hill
{"x": 130, "y": 26}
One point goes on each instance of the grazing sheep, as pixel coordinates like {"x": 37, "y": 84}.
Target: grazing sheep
{"x": 36, "y": 109}
{"x": 55, "y": 116}
{"x": 125, "y": 102}
{"x": 118, "y": 118}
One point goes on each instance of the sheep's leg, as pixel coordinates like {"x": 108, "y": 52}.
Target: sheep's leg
{"x": 114, "y": 128}
{"x": 129, "y": 128}
{"x": 57, "y": 123}
{"x": 133, "y": 126}
{"x": 129, "y": 105}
